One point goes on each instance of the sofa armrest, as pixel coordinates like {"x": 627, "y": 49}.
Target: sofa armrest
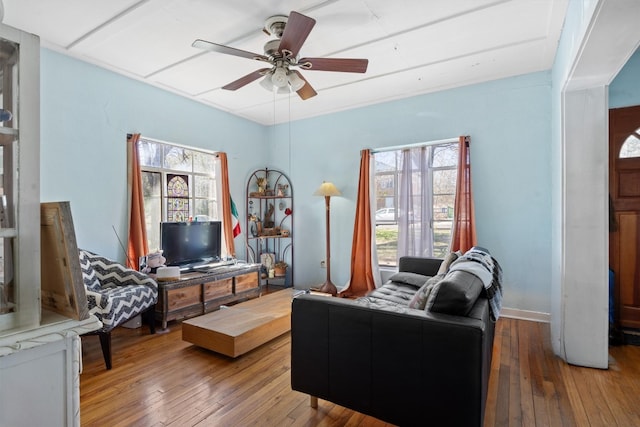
{"x": 419, "y": 265}
{"x": 402, "y": 367}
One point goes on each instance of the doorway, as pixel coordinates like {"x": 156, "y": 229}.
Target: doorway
{"x": 624, "y": 238}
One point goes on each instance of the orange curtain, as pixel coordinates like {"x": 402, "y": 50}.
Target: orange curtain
{"x": 137, "y": 245}
{"x": 226, "y": 205}
{"x": 464, "y": 222}
{"x": 362, "y": 262}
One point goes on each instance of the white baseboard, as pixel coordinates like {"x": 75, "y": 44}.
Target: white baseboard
{"x": 534, "y": 316}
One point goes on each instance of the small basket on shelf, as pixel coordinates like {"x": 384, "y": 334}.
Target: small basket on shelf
{"x": 280, "y": 268}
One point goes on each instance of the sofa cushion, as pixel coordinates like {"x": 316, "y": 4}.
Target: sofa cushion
{"x": 455, "y": 294}
{"x": 408, "y": 278}
{"x": 394, "y": 293}
{"x": 419, "y": 299}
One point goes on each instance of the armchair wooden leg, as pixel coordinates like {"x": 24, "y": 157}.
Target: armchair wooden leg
{"x": 313, "y": 402}
{"x": 149, "y": 316}
{"x": 105, "y": 343}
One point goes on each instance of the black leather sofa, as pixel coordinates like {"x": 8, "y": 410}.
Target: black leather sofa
{"x": 401, "y": 365}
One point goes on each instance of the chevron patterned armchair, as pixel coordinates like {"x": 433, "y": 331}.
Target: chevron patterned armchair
{"x": 116, "y": 294}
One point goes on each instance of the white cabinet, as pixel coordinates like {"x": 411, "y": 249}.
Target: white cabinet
{"x": 19, "y": 180}
{"x": 39, "y": 350}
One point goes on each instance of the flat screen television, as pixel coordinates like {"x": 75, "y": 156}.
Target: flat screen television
{"x": 189, "y": 244}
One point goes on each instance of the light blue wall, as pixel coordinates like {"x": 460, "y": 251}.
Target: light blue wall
{"x": 86, "y": 113}
{"x": 509, "y": 124}
{"x": 624, "y": 90}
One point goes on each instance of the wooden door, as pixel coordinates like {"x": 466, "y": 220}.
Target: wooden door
{"x": 624, "y": 187}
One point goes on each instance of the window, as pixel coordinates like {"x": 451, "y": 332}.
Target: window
{"x": 178, "y": 184}
{"x": 429, "y": 202}
{"x": 631, "y": 146}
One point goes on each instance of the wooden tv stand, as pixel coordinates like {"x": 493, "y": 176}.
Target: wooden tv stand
{"x": 196, "y": 293}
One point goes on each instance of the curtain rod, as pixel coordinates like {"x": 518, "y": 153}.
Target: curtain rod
{"x": 417, "y": 144}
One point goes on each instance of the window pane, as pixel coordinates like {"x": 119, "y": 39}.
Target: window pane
{"x": 387, "y": 243}
{"x": 203, "y": 162}
{"x": 151, "y": 184}
{"x": 151, "y": 192}
{"x": 445, "y": 155}
{"x": 631, "y": 147}
{"x": 177, "y": 209}
{"x": 178, "y": 158}
{"x": 153, "y": 217}
{"x": 205, "y": 207}
{"x": 150, "y": 153}
{"x": 441, "y": 238}
{"x": 204, "y": 187}
{"x": 177, "y": 185}
{"x": 385, "y": 191}
{"x": 443, "y": 207}
{"x": 444, "y": 181}
{"x": 386, "y": 161}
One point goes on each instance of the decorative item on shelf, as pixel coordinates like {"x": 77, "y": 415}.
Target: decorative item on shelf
{"x": 267, "y": 260}
{"x": 268, "y": 217}
{"x": 284, "y": 233}
{"x": 287, "y": 212}
{"x": 327, "y": 189}
{"x": 282, "y": 190}
{"x": 280, "y": 268}
{"x": 262, "y": 185}
{"x": 271, "y": 231}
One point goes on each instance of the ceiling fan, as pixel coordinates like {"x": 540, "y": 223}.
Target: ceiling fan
{"x": 282, "y": 55}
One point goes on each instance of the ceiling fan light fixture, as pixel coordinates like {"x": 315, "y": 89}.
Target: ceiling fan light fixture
{"x": 279, "y": 77}
{"x": 295, "y": 81}
{"x": 267, "y": 83}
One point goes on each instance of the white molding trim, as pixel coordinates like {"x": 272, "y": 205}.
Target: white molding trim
{"x": 534, "y": 316}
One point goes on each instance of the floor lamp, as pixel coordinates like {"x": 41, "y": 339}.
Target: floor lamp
{"x": 327, "y": 189}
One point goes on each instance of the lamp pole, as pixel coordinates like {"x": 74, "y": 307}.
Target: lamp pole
{"x": 327, "y": 190}
{"x": 328, "y": 286}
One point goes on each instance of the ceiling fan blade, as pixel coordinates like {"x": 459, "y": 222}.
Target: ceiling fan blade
{"x": 306, "y": 91}
{"x": 345, "y": 65}
{"x": 203, "y": 44}
{"x": 242, "y": 81}
{"x": 296, "y": 32}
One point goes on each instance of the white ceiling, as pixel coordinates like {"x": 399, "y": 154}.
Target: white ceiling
{"x": 413, "y": 46}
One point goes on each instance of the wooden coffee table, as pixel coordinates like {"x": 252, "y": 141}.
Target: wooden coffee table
{"x": 240, "y": 328}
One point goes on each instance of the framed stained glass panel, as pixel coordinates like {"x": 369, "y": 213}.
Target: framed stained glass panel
{"x": 177, "y": 197}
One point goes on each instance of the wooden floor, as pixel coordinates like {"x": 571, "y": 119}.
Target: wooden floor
{"x": 159, "y": 380}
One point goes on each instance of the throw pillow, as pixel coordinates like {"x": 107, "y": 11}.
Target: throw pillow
{"x": 419, "y": 300}
{"x": 448, "y": 260}
{"x": 455, "y": 294}
{"x": 89, "y": 277}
